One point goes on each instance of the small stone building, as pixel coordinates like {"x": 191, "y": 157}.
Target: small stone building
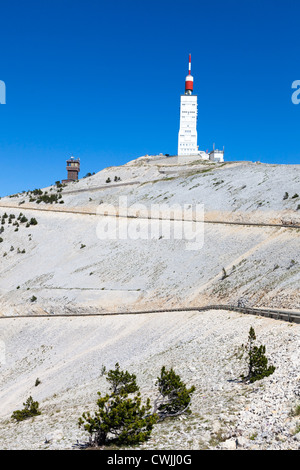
{"x": 73, "y": 168}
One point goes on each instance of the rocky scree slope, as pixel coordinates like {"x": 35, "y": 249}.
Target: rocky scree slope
{"x": 63, "y": 265}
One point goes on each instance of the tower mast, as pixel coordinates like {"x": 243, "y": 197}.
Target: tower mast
{"x": 189, "y": 80}
{"x": 187, "y": 137}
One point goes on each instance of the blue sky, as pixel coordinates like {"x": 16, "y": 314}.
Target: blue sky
{"x": 102, "y": 81}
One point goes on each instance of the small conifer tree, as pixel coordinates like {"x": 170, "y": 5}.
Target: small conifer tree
{"x": 174, "y": 397}
{"x": 31, "y": 408}
{"x": 257, "y": 361}
{"x": 120, "y": 419}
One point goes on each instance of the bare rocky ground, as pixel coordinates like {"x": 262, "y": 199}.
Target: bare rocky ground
{"x": 67, "y": 355}
{"x": 73, "y": 262}
{"x": 61, "y": 266}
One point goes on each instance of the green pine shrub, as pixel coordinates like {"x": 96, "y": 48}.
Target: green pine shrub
{"x": 31, "y": 408}
{"x": 257, "y": 361}
{"x": 174, "y": 397}
{"x": 120, "y": 418}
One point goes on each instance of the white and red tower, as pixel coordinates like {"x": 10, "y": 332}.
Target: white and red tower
{"x": 187, "y": 137}
{"x": 189, "y": 80}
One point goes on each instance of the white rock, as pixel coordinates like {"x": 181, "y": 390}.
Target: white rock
{"x": 230, "y": 444}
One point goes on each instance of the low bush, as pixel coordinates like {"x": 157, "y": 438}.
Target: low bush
{"x": 31, "y": 408}
{"x": 257, "y": 361}
{"x": 122, "y": 419}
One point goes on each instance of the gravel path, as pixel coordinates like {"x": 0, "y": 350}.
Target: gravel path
{"x": 205, "y": 348}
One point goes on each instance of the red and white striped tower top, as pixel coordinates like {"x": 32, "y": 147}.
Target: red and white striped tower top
{"x": 189, "y": 80}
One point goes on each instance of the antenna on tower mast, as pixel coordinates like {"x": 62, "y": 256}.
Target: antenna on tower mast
{"x": 189, "y": 79}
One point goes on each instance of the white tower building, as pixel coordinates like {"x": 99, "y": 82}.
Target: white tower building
{"x": 187, "y": 137}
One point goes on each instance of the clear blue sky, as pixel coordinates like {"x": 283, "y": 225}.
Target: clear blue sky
{"x": 101, "y": 80}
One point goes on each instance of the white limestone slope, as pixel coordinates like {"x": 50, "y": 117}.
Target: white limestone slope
{"x": 67, "y": 354}
{"x": 69, "y": 267}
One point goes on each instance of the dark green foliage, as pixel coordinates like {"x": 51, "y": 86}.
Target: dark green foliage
{"x": 47, "y": 199}
{"x": 224, "y": 275}
{"x": 122, "y": 419}
{"x": 121, "y": 382}
{"x": 31, "y": 408}
{"x": 119, "y": 419}
{"x": 22, "y": 219}
{"x": 257, "y": 361}
{"x": 295, "y": 411}
{"x": 174, "y": 397}
{"x": 33, "y": 298}
{"x": 37, "y": 382}
{"x": 37, "y": 192}
{"x": 38, "y": 196}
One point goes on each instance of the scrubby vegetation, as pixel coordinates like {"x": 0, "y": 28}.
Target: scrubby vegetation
{"x": 49, "y": 199}
{"x": 257, "y": 361}
{"x": 38, "y": 196}
{"x": 116, "y": 178}
{"x": 174, "y": 397}
{"x": 17, "y": 222}
{"x": 31, "y": 408}
{"x": 122, "y": 419}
